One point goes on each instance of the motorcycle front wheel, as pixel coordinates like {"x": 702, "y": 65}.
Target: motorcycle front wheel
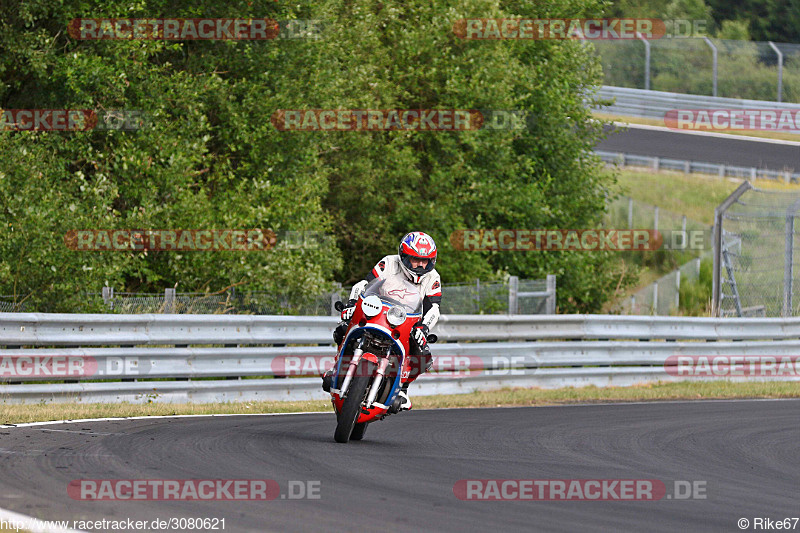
{"x": 357, "y": 392}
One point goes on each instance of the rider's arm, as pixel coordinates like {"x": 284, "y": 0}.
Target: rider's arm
{"x": 376, "y": 272}
{"x": 430, "y": 305}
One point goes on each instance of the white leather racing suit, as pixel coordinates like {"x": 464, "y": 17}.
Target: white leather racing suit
{"x": 430, "y": 286}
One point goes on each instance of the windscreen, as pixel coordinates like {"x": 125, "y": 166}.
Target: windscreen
{"x": 396, "y": 292}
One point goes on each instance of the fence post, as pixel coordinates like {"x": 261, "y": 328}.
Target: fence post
{"x": 655, "y": 297}
{"x": 646, "y": 61}
{"x": 714, "y": 65}
{"x": 780, "y": 70}
{"x": 169, "y": 300}
{"x": 335, "y": 296}
{"x": 683, "y": 226}
{"x": 513, "y": 285}
{"x": 719, "y": 212}
{"x": 655, "y": 220}
{"x": 630, "y": 213}
{"x": 108, "y": 297}
{"x": 550, "y": 308}
{"x": 788, "y": 261}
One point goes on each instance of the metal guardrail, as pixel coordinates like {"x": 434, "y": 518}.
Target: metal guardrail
{"x": 247, "y": 356}
{"x": 695, "y": 167}
{"x": 654, "y": 104}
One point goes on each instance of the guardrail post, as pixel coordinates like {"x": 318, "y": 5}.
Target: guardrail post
{"x": 550, "y": 308}
{"x": 714, "y": 67}
{"x": 169, "y": 300}
{"x": 513, "y": 287}
{"x": 780, "y": 70}
{"x": 677, "y": 290}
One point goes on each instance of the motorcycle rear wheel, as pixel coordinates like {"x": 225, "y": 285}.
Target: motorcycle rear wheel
{"x": 346, "y": 421}
{"x": 358, "y": 431}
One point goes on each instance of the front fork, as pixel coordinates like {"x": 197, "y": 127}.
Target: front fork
{"x": 376, "y": 383}
{"x": 351, "y": 369}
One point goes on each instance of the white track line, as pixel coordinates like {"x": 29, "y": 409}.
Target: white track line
{"x": 153, "y": 417}
{"x": 593, "y": 404}
{"x": 708, "y": 134}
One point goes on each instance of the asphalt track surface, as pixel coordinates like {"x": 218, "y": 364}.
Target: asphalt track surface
{"x": 401, "y": 477}
{"x": 727, "y": 150}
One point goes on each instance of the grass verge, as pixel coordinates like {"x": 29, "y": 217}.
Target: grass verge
{"x": 685, "y": 390}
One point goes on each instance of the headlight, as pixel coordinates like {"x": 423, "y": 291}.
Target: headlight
{"x": 396, "y": 315}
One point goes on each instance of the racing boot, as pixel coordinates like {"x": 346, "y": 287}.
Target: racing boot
{"x": 327, "y": 380}
{"x": 402, "y": 402}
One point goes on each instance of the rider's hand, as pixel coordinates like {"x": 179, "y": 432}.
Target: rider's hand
{"x": 420, "y": 335}
{"x": 347, "y": 312}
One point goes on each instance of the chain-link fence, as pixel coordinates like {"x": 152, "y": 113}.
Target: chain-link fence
{"x": 8, "y": 304}
{"x": 626, "y": 213}
{"x": 756, "y": 262}
{"x": 512, "y": 296}
{"x": 662, "y": 297}
{"x": 718, "y": 67}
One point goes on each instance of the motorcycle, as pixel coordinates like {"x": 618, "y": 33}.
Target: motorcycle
{"x": 373, "y": 361}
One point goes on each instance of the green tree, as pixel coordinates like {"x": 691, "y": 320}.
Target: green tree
{"x": 212, "y": 159}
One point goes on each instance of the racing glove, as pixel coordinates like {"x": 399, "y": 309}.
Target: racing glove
{"x": 349, "y": 309}
{"x": 420, "y": 335}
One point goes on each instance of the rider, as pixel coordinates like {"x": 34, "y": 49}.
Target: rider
{"x": 415, "y": 262}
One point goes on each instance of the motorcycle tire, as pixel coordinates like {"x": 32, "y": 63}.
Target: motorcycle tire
{"x": 358, "y": 431}
{"x": 346, "y": 421}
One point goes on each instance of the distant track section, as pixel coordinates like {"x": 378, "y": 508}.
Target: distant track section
{"x": 706, "y": 147}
